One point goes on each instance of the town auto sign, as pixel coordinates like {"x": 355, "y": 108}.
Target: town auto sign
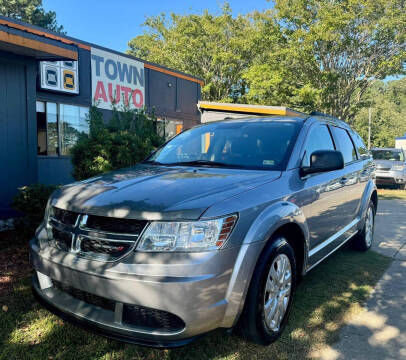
{"x": 117, "y": 80}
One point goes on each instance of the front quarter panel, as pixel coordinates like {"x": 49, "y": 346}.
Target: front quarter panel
{"x": 366, "y": 197}
{"x": 266, "y": 224}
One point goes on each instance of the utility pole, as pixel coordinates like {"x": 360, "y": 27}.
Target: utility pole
{"x": 369, "y": 127}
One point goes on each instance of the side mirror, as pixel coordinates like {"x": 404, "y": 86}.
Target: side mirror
{"x": 323, "y": 161}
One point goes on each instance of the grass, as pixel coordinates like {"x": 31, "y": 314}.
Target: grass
{"x": 327, "y": 296}
{"x": 391, "y": 194}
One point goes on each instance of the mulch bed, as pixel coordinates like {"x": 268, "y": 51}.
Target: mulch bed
{"x": 14, "y": 261}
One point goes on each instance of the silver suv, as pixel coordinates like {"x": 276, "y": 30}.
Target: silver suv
{"x": 214, "y": 229}
{"x": 390, "y": 167}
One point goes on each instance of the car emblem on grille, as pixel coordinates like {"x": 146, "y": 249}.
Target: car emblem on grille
{"x": 76, "y": 240}
{"x": 95, "y": 237}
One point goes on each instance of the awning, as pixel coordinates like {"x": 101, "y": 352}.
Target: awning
{"x": 248, "y": 109}
{"x": 24, "y": 43}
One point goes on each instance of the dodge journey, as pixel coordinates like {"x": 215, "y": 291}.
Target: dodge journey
{"x": 213, "y": 230}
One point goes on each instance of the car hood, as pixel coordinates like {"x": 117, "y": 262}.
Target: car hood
{"x": 158, "y": 192}
{"x": 385, "y": 164}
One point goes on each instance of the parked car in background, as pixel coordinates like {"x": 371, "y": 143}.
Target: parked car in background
{"x": 214, "y": 229}
{"x": 390, "y": 167}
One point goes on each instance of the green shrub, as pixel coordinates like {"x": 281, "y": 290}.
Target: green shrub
{"x": 31, "y": 201}
{"x": 127, "y": 138}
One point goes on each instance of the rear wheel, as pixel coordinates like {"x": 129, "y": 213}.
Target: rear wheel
{"x": 363, "y": 240}
{"x": 270, "y": 295}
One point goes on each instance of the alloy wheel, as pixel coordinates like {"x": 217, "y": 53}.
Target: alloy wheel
{"x": 369, "y": 227}
{"x": 277, "y": 292}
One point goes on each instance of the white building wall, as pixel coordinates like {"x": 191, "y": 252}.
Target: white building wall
{"x": 400, "y": 144}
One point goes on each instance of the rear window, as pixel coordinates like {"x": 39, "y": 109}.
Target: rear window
{"x": 392, "y": 155}
{"x": 360, "y": 145}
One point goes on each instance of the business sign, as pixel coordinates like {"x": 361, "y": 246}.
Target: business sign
{"x": 62, "y": 76}
{"x": 117, "y": 80}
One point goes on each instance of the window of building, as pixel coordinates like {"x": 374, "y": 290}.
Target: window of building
{"x": 319, "y": 138}
{"x": 59, "y": 127}
{"x": 344, "y": 144}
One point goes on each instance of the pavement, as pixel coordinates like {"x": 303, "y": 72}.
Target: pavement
{"x": 379, "y": 331}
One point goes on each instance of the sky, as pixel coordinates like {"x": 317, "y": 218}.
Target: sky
{"x": 112, "y": 23}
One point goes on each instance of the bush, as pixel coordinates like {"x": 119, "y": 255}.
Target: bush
{"x": 31, "y": 201}
{"x": 127, "y": 138}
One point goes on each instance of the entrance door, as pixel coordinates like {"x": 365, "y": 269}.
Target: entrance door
{"x": 14, "y": 156}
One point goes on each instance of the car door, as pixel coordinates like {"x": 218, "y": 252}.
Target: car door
{"x": 326, "y": 211}
{"x": 354, "y": 171}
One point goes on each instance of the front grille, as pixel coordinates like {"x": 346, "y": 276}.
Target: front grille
{"x": 64, "y": 216}
{"x": 85, "y": 296}
{"x": 105, "y": 247}
{"x": 115, "y": 225}
{"x": 134, "y": 315}
{"x": 153, "y": 319}
{"x": 97, "y": 237}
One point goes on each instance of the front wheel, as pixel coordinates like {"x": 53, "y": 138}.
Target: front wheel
{"x": 270, "y": 294}
{"x": 363, "y": 240}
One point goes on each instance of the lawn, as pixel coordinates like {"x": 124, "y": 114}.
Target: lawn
{"x": 325, "y": 298}
{"x": 391, "y": 194}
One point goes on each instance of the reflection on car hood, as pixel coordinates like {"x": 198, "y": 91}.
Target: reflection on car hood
{"x": 386, "y": 163}
{"x": 158, "y": 192}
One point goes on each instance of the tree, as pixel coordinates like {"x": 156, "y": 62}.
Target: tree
{"x": 388, "y": 104}
{"x": 275, "y": 75}
{"x": 338, "y": 49}
{"x": 307, "y": 54}
{"x": 217, "y": 48}
{"x": 30, "y": 11}
{"x": 127, "y": 138}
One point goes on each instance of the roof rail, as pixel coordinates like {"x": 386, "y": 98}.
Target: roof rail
{"x": 319, "y": 113}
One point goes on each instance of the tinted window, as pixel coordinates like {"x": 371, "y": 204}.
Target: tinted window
{"x": 344, "y": 144}
{"x": 360, "y": 145}
{"x": 243, "y": 144}
{"x": 319, "y": 138}
{"x": 393, "y": 155}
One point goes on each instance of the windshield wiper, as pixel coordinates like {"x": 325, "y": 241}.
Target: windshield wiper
{"x": 153, "y": 162}
{"x": 204, "y": 163}
{"x": 193, "y": 163}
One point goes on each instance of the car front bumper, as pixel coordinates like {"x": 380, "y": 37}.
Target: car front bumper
{"x": 202, "y": 289}
{"x": 390, "y": 177}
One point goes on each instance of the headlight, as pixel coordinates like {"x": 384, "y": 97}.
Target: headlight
{"x": 47, "y": 215}
{"x": 46, "y": 225}
{"x": 187, "y": 235}
{"x": 398, "y": 167}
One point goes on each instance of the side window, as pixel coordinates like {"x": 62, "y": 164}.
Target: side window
{"x": 344, "y": 144}
{"x": 319, "y": 138}
{"x": 359, "y": 144}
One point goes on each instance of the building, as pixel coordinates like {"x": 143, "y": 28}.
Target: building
{"x": 400, "y": 142}
{"x": 47, "y": 83}
{"x": 212, "y": 111}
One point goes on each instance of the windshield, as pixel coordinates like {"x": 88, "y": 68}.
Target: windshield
{"x": 393, "y": 155}
{"x": 239, "y": 144}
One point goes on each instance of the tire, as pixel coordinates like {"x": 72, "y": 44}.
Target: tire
{"x": 278, "y": 255}
{"x": 363, "y": 240}
{"x": 402, "y": 187}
